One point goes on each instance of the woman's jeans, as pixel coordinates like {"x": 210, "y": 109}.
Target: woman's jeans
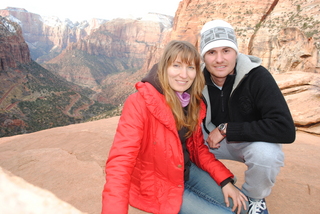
{"x": 202, "y": 194}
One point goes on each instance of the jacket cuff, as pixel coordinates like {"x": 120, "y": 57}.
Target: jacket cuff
{"x": 234, "y": 131}
{"x": 225, "y": 182}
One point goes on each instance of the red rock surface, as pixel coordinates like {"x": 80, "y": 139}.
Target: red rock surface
{"x": 69, "y": 161}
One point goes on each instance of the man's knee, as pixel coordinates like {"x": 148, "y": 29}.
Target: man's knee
{"x": 265, "y": 154}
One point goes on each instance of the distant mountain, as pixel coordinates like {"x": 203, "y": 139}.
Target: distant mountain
{"x": 48, "y": 36}
{"x": 95, "y": 54}
{"x": 108, "y": 59}
{"x": 33, "y": 98}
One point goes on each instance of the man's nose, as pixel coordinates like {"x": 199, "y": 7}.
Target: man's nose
{"x": 219, "y": 57}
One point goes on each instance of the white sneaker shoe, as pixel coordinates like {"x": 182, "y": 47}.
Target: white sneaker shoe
{"x": 257, "y": 206}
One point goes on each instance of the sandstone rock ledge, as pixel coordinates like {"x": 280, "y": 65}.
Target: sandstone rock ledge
{"x": 69, "y": 162}
{"x": 18, "y": 196}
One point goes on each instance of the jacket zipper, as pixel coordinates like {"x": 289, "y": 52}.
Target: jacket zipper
{"x": 232, "y": 92}
{"x": 221, "y": 96}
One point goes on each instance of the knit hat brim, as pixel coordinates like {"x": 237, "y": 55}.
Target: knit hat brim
{"x": 219, "y": 43}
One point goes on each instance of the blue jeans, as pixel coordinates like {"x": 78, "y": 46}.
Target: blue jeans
{"x": 202, "y": 194}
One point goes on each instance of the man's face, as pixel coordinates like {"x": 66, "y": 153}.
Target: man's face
{"x": 220, "y": 61}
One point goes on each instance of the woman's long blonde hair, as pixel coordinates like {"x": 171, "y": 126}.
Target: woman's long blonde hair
{"x": 189, "y": 55}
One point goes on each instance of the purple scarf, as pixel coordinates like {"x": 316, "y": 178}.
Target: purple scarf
{"x": 184, "y": 98}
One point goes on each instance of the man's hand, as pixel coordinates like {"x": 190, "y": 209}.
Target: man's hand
{"x": 214, "y": 139}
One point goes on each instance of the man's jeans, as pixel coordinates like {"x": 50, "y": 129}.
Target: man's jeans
{"x": 202, "y": 194}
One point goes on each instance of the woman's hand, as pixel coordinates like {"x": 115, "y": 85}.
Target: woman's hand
{"x": 238, "y": 198}
{"x": 214, "y": 139}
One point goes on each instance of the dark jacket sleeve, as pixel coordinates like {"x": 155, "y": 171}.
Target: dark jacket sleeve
{"x": 259, "y": 112}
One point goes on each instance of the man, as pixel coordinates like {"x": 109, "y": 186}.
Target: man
{"x": 247, "y": 116}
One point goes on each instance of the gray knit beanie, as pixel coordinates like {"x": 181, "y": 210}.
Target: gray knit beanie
{"x": 217, "y": 33}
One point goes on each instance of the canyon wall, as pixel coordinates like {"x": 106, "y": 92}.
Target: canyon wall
{"x": 13, "y": 48}
{"x": 118, "y": 47}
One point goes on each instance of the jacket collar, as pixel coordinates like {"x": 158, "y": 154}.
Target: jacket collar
{"x": 153, "y": 79}
{"x": 245, "y": 63}
{"x": 156, "y": 104}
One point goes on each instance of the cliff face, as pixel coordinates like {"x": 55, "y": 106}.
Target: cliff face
{"x": 118, "y": 46}
{"x": 48, "y": 36}
{"x": 13, "y": 49}
{"x": 283, "y": 33}
{"x": 288, "y": 40}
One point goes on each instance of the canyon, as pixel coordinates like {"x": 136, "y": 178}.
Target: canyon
{"x": 33, "y": 98}
{"x": 110, "y": 57}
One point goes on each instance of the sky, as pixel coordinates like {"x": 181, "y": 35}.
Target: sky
{"x": 86, "y": 10}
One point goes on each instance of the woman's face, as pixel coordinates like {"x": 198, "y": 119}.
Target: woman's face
{"x": 181, "y": 75}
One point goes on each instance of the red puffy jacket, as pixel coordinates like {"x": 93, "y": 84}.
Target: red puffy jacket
{"x": 145, "y": 166}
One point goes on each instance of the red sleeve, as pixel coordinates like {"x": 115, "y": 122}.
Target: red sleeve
{"x": 122, "y": 158}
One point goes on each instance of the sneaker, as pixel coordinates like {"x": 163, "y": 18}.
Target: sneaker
{"x": 257, "y": 206}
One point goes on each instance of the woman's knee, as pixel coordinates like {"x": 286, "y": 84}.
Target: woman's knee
{"x": 193, "y": 203}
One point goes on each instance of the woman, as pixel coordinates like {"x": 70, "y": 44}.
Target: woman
{"x": 158, "y": 162}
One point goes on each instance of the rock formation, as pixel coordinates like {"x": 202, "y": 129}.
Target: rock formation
{"x": 118, "y": 46}
{"x": 13, "y": 49}
{"x": 301, "y": 90}
{"x": 283, "y": 33}
{"x": 18, "y": 196}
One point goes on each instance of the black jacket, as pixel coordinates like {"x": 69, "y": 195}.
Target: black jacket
{"x": 256, "y": 109}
